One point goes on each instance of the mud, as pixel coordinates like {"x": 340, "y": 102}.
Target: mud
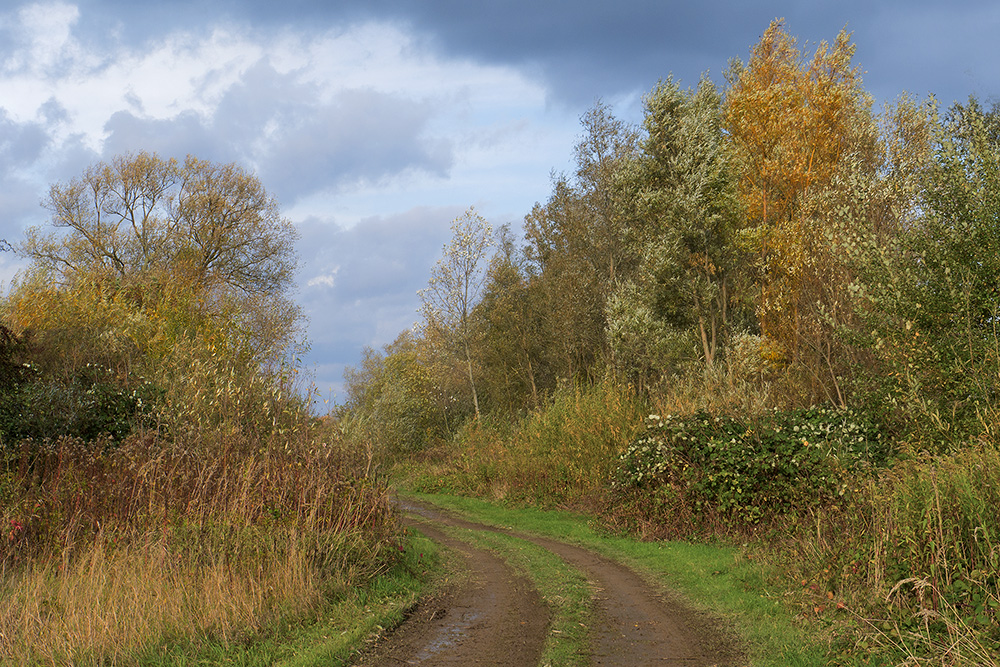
{"x": 495, "y": 617}
{"x": 489, "y": 616}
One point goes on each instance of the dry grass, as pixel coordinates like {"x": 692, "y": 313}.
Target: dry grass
{"x": 562, "y": 454}
{"x": 110, "y": 601}
{"x": 109, "y": 550}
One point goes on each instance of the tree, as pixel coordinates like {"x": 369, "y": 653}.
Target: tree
{"x": 581, "y": 244}
{"x": 456, "y": 283}
{"x": 929, "y": 295}
{"x": 510, "y": 338}
{"x": 684, "y": 189}
{"x": 140, "y": 222}
{"x": 178, "y": 274}
{"x": 393, "y": 395}
{"x": 606, "y": 146}
{"x": 794, "y": 125}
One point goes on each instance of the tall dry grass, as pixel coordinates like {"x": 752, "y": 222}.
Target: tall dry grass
{"x": 561, "y": 454}
{"x": 107, "y": 550}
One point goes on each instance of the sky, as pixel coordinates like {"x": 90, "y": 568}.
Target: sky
{"x": 374, "y": 123}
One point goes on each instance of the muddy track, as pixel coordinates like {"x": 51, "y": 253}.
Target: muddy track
{"x": 495, "y": 617}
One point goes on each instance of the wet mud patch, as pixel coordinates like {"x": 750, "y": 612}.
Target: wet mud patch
{"x": 486, "y": 615}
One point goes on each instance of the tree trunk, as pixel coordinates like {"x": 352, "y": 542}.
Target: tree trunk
{"x": 472, "y": 382}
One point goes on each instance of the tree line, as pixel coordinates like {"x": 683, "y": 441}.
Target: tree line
{"x": 777, "y": 231}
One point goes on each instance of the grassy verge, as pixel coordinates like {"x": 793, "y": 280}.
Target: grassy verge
{"x": 716, "y": 579}
{"x": 330, "y": 637}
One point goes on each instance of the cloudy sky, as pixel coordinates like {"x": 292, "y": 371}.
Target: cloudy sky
{"x": 376, "y": 122}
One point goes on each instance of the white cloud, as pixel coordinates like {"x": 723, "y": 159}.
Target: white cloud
{"x": 325, "y": 280}
{"x": 264, "y": 96}
{"x": 45, "y": 35}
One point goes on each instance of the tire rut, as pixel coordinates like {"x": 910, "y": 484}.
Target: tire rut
{"x": 635, "y": 624}
{"x": 490, "y": 616}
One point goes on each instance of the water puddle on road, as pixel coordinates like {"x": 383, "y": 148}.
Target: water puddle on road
{"x": 448, "y": 637}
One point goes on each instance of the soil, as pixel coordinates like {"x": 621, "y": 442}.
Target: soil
{"x": 493, "y": 616}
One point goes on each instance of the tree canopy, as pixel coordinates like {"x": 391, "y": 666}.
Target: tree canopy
{"x": 173, "y": 277}
{"x": 774, "y": 233}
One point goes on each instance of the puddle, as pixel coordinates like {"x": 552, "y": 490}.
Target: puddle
{"x": 448, "y": 637}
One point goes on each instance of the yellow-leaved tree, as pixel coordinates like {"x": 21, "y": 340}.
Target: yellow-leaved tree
{"x": 801, "y": 130}
{"x": 179, "y": 273}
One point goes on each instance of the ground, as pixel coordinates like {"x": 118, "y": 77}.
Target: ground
{"x": 492, "y": 615}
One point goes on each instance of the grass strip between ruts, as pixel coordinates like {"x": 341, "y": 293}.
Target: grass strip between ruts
{"x": 715, "y": 579}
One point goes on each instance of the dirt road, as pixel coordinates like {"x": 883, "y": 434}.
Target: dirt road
{"x": 494, "y": 616}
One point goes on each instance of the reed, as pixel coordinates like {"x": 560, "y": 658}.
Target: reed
{"x": 109, "y": 550}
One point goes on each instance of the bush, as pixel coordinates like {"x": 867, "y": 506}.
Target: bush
{"x": 92, "y": 405}
{"x": 783, "y": 461}
{"x": 561, "y": 454}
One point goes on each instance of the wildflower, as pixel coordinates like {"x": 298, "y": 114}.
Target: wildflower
{"x": 16, "y": 527}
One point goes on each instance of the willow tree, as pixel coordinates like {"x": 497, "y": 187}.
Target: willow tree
{"x": 684, "y": 290}
{"x": 177, "y": 272}
{"x": 929, "y": 295}
{"x": 139, "y": 227}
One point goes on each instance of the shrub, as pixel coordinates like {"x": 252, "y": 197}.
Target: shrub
{"x": 783, "y": 461}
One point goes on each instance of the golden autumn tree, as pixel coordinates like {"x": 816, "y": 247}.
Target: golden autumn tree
{"x": 799, "y": 127}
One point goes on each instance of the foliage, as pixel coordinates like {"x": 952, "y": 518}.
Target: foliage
{"x": 929, "y": 295}
{"x": 798, "y": 128}
{"x": 581, "y": 243}
{"x": 510, "y": 341}
{"x": 90, "y": 406}
{"x": 403, "y": 399}
{"x": 562, "y": 453}
{"x": 684, "y": 190}
{"x": 747, "y": 472}
{"x": 141, "y": 219}
{"x": 456, "y": 284}
{"x": 173, "y": 280}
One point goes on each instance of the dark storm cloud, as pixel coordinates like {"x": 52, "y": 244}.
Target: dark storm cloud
{"x": 584, "y": 49}
{"x": 594, "y": 48}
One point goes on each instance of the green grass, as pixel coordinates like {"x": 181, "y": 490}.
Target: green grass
{"x": 716, "y": 579}
{"x": 329, "y": 638}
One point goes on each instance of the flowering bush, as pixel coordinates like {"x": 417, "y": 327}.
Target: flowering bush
{"x": 747, "y": 471}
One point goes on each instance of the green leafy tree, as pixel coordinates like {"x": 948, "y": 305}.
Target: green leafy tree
{"x": 931, "y": 292}
{"x": 683, "y": 290}
{"x": 581, "y": 244}
{"x": 510, "y": 336}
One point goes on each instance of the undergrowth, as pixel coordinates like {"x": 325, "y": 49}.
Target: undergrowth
{"x": 108, "y": 548}
{"x": 890, "y": 554}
